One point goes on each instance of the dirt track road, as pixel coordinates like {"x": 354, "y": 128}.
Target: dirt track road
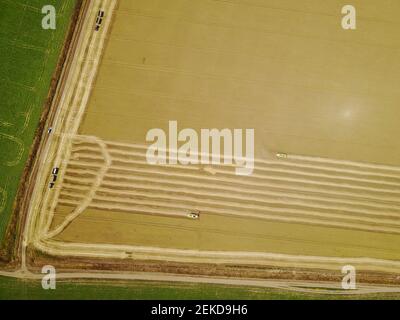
{"x": 70, "y": 109}
{"x": 299, "y": 286}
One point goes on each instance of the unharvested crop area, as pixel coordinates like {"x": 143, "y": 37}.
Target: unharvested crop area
{"x": 29, "y": 55}
{"x": 327, "y": 98}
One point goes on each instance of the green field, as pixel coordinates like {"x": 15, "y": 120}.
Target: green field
{"x": 21, "y": 289}
{"x": 29, "y": 56}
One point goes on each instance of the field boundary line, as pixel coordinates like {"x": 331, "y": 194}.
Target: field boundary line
{"x": 58, "y": 248}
